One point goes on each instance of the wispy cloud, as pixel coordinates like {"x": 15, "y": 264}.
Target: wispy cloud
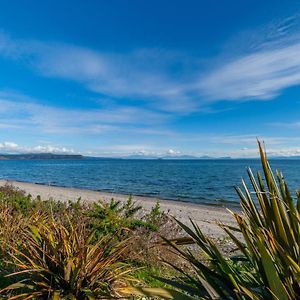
{"x": 168, "y": 80}
{"x": 292, "y": 125}
{"x": 19, "y": 111}
{"x": 258, "y": 65}
{"x": 156, "y": 76}
{"x": 253, "y": 152}
{"x": 261, "y": 75}
{"x": 251, "y": 139}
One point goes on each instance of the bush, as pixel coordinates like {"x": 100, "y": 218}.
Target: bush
{"x": 15, "y": 198}
{"x": 120, "y": 218}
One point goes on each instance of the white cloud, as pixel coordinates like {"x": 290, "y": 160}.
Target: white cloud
{"x": 150, "y": 151}
{"x": 8, "y": 145}
{"x": 142, "y": 74}
{"x": 125, "y": 150}
{"x": 293, "y": 125}
{"x": 18, "y": 111}
{"x": 271, "y": 152}
{"x": 49, "y": 149}
{"x": 257, "y": 64}
{"x": 11, "y": 147}
{"x": 251, "y": 139}
{"x": 260, "y": 75}
{"x": 173, "y": 152}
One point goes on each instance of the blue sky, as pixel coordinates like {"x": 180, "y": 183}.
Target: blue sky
{"x": 114, "y": 78}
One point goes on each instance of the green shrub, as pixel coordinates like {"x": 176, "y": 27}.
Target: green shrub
{"x": 119, "y": 218}
{"x": 16, "y": 198}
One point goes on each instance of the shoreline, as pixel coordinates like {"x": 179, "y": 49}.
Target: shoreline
{"x": 205, "y": 215}
{"x": 230, "y": 204}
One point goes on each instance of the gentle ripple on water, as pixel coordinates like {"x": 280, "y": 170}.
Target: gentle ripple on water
{"x": 198, "y": 181}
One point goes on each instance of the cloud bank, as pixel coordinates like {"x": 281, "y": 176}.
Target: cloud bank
{"x": 13, "y": 148}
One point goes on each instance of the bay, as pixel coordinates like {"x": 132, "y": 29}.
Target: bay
{"x": 209, "y": 181}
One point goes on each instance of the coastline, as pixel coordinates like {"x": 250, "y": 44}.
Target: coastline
{"x": 206, "y": 216}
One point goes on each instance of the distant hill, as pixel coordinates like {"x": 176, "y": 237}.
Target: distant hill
{"x": 174, "y": 157}
{"x": 295, "y": 157}
{"x": 30, "y": 156}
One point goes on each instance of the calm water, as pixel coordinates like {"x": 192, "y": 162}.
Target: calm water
{"x": 198, "y": 181}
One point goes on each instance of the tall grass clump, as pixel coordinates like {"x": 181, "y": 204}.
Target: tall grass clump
{"x": 59, "y": 260}
{"x": 266, "y": 262}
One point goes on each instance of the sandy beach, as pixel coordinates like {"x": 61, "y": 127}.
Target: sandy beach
{"x": 206, "y": 216}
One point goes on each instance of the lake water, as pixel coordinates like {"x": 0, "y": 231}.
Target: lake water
{"x": 197, "y": 181}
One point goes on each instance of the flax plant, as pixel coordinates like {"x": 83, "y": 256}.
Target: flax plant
{"x": 266, "y": 264}
{"x": 60, "y": 260}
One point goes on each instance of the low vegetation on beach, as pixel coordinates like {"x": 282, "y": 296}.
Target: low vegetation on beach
{"x": 55, "y": 250}
{"x": 50, "y": 249}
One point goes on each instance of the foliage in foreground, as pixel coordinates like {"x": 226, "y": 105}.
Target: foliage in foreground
{"x": 61, "y": 262}
{"x": 75, "y": 250}
{"x": 266, "y": 264}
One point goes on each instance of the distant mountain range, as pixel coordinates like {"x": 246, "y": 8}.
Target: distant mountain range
{"x": 30, "y": 156}
{"x": 173, "y": 157}
{"x": 285, "y": 157}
